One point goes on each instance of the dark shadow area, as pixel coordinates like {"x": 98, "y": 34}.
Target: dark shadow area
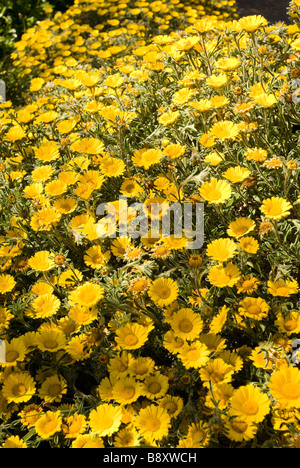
{"x": 272, "y": 10}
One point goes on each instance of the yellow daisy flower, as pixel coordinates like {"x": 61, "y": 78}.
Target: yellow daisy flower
{"x": 48, "y": 424}
{"x": 105, "y": 419}
{"x": 153, "y": 423}
{"x": 163, "y": 291}
{"x": 215, "y": 191}
{"x": 249, "y": 404}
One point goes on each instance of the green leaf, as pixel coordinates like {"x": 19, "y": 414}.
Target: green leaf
{"x": 29, "y": 434}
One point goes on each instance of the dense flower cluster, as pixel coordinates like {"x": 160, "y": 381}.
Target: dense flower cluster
{"x": 116, "y": 341}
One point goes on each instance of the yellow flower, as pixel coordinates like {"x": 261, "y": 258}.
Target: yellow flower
{"x": 141, "y": 367}
{"x": 15, "y": 133}
{"x": 217, "y": 81}
{"x": 213, "y": 342}
{"x": 182, "y": 96}
{"x": 44, "y": 219}
{"x": 256, "y": 154}
{"x": 132, "y": 335}
{"x": 65, "y": 205}
{"x": 14, "y": 442}
{"x": 87, "y": 441}
{"x": 78, "y": 162}
{"x": 207, "y": 140}
{"x": 202, "y": 105}
{"x": 83, "y": 315}
{"x": 174, "y": 150}
{"x": 53, "y": 388}
{"x": 172, "y": 343}
{"x": 126, "y": 391}
{"x": 15, "y": 352}
{"x": 155, "y": 386}
{"x": 265, "y": 100}
{"x": 5, "y": 318}
{"x": 221, "y": 250}
{"x": 247, "y": 284}
{"x": 195, "y": 261}
{"x": 273, "y": 163}
{"x": 48, "y": 424}
{"x": 47, "y": 117}
{"x": 199, "y": 433}
{"x": 225, "y": 130}
{"x": 95, "y": 258}
{"x": 105, "y": 419}
{"x": 168, "y": 118}
{"x": 222, "y": 276}
{"x": 186, "y": 324}
{"x": 205, "y": 24}
{"x": 90, "y": 180}
{"x": 7, "y": 283}
{"x": 188, "y": 442}
{"x": 51, "y": 340}
{"x": 69, "y": 177}
{"x": 93, "y": 107}
{"x": 228, "y": 64}
{"x": 78, "y": 348}
{"x": 114, "y": 81}
{"x": 120, "y": 245}
{"x": 118, "y": 366}
{"x": 55, "y": 188}
{"x": 214, "y": 159}
{"x": 252, "y": 23}
{"x": 215, "y": 191}
{"x": 36, "y": 84}
{"x": 127, "y": 437}
{"x": 260, "y": 358}
{"x": 150, "y": 157}
{"x": 88, "y": 146}
{"x": 249, "y": 245}
{"x": 42, "y": 173}
{"x": 289, "y": 323}
{"x": 33, "y": 191}
{"x": 239, "y": 430}
{"x": 139, "y": 286}
{"x": 173, "y": 243}
{"x": 41, "y": 287}
{"x": 18, "y": 387}
{"x": 219, "y": 101}
{"x": 72, "y": 84}
{"x": 275, "y": 208}
{"x": 112, "y": 167}
{"x": 66, "y": 126}
{"x": 254, "y": 307}
{"x": 284, "y": 385}
{"x": 153, "y": 423}
{"x": 68, "y": 278}
{"x": 296, "y": 44}
{"x": 74, "y": 425}
{"x": 236, "y": 174}
{"x": 89, "y": 79}
{"x": 249, "y": 404}
{"x": 194, "y": 354}
{"x": 216, "y": 371}
{"x": 219, "y": 320}
{"x": 87, "y": 294}
{"x": 131, "y": 187}
{"x": 240, "y": 227}
{"x": 283, "y": 288}
{"x": 45, "y": 306}
{"x": 163, "y": 291}
{"x": 48, "y": 151}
